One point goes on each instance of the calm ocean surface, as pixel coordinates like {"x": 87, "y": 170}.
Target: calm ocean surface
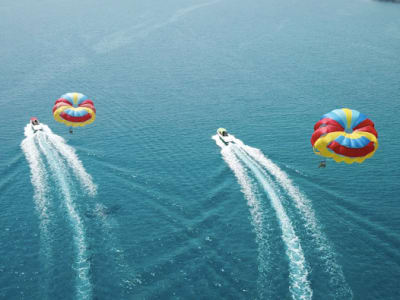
{"x": 144, "y": 204}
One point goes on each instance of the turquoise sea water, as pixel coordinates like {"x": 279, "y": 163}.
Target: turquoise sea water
{"x": 144, "y": 204}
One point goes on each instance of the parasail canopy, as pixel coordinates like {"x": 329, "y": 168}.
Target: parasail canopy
{"x": 345, "y": 135}
{"x": 74, "y": 109}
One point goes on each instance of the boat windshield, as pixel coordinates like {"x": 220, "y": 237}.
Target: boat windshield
{"x": 224, "y": 133}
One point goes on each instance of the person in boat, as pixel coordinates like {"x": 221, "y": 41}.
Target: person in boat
{"x": 322, "y": 164}
{"x": 35, "y": 122}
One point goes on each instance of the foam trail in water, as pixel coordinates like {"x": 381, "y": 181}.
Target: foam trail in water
{"x": 299, "y": 284}
{"x": 38, "y": 176}
{"x": 338, "y": 282}
{"x": 42, "y": 203}
{"x": 69, "y": 154}
{"x": 183, "y": 11}
{"x": 58, "y": 167}
{"x": 256, "y": 211}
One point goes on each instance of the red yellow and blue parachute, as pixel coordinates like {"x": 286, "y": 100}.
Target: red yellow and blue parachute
{"x": 345, "y": 135}
{"x": 74, "y": 109}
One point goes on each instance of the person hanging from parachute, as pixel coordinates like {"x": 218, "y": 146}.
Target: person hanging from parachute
{"x": 344, "y": 135}
{"x": 74, "y": 109}
{"x": 322, "y": 164}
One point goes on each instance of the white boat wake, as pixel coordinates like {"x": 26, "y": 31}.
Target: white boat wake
{"x": 273, "y": 180}
{"x": 257, "y": 215}
{"x": 72, "y": 160}
{"x": 38, "y": 177}
{"x": 299, "y": 284}
{"x": 44, "y": 147}
{"x": 41, "y": 198}
{"x": 337, "y": 282}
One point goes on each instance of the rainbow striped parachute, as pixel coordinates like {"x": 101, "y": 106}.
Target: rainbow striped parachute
{"x": 74, "y": 109}
{"x": 345, "y": 135}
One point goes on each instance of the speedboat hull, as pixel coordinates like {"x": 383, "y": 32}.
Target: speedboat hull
{"x": 226, "y": 139}
{"x": 37, "y": 127}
